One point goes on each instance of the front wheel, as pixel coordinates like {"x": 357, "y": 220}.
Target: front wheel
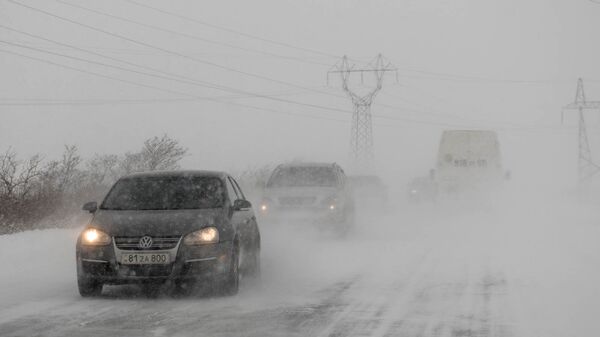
{"x": 89, "y": 287}
{"x": 253, "y": 265}
{"x": 232, "y": 281}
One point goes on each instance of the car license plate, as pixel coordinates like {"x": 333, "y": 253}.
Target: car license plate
{"x": 145, "y": 258}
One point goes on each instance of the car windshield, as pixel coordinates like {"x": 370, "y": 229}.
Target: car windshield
{"x": 303, "y": 176}
{"x": 165, "y": 193}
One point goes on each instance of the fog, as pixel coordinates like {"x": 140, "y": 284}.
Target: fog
{"x": 242, "y": 87}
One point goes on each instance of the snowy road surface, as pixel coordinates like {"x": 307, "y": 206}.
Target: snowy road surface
{"x": 431, "y": 271}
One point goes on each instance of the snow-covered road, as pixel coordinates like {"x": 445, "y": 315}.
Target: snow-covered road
{"x": 522, "y": 270}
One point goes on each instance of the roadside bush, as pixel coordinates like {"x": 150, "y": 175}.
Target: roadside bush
{"x": 35, "y": 193}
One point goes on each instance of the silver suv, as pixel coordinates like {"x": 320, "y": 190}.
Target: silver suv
{"x": 315, "y": 192}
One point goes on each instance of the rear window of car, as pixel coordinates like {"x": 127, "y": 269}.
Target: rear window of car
{"x": 304, "y": 177}
{"x": 165, "y": 193}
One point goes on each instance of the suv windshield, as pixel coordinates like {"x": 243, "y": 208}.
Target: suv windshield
{"x": 303, "y": 176}
{"x": 165, "y": 193}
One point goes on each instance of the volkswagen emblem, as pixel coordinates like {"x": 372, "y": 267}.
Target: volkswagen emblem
{"x": 145, "y": 242}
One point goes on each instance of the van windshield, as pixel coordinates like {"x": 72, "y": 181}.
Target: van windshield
{"x": 303, "y": 177}
{"x": 165, "y": 193}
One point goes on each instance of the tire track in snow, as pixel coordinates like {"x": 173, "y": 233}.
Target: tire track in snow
{"x": 361, "y": 317}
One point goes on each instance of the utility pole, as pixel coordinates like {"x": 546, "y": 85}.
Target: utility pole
{"x": 587, "y": 168}
{"x": 361, "y": 133}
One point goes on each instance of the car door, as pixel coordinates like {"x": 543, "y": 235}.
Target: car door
{"x": 248, "y": 225}
{"x": 237, "y": 217}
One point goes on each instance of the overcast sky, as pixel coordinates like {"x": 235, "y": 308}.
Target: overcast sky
{"x": 505, "y": 65}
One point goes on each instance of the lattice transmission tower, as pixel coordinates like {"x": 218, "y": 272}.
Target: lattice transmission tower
{"x": 586, "y": 166}
{"x": 361, "y": 133}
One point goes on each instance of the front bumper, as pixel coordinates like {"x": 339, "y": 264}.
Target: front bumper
{"x": 102, "y": 263}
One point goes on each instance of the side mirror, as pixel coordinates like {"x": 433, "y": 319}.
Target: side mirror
{"x": 240, "y": 204}
{"x": 91, "y": 206}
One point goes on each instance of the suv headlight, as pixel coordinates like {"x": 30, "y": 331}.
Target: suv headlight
{"x": 94, "y": 237}
{"x": 332, "y": 203}
{"x": 265, "y": 204}
{"x": 204, "y": 236}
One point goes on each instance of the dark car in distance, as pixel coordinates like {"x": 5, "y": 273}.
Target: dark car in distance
{"x": 369, "y": 191}
{"x": 422, "y": 189}
{"x": 192, "y": 228}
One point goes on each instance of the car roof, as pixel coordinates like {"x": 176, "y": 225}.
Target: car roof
{"x": 176, "y": 173}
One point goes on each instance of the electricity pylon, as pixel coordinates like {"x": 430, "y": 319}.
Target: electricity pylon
{"x": 361, "y": 134}
{"x": 587, "y": 168}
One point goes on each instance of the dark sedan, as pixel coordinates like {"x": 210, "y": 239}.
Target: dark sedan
{"x": 188, "y": 227}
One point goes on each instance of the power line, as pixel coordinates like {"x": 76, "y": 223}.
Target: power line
{"x": 189, "y": 36}
{"x": 438, "y": 74}
{"x": 155, "y": 87}
{"x": 209, "y": 98}
{"x": 384, "y": 117}
{"x": 407, "y": 120}
{"x": 457, "y": 77}
{"x": 70, "y": 46}
{"x": 233, "y": 31}
{"x": 178, "y": 54}
{"x": 113, "y": 101}
{"x": 197, "y": 83}
{"x": 217, "y": 100}
{"x": 163, "y": 89}
{"x": 149, "y": 68}
{"x": 432, "y": 112}
{"x": 137, "y": 65}
{"x": 166, "y": 51}
{"x": 195, "y": 97}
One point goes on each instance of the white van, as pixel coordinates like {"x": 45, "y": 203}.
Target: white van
{"x": 468, "y": 160}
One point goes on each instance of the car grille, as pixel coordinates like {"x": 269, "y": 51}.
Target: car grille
{"x": 145, "y": 271}
{"x": 158, "y": 242}
{"x": 297, "y": 201}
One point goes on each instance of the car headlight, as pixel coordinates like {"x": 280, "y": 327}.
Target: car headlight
{"x": 204, "y": 236}
{"x": 332, "y": 203}
{"x": 94, "y": 237}
{"x": 265, "y": 205}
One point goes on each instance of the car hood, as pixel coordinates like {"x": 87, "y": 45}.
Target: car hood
{"x": 156, "y": 223}
{"x": 300, "y": 196}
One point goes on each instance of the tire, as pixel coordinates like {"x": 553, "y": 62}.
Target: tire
{"x": 346, "y": 225}
{"x": 253, "y": 265}
{"x": 232, "y": 281}
{"x": 89, "y": 287}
